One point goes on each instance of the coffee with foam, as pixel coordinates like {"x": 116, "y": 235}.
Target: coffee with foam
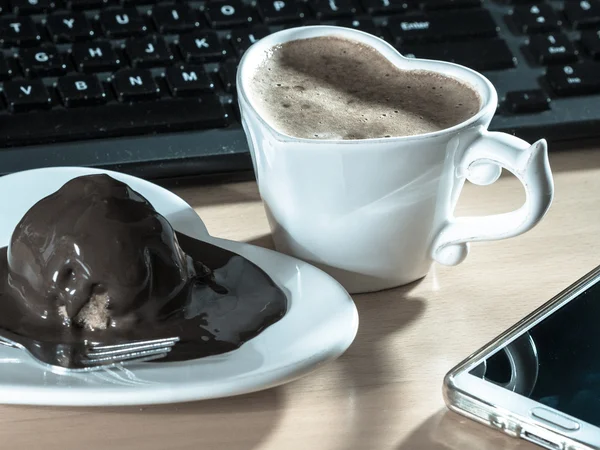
{"x": 336, "y": 88}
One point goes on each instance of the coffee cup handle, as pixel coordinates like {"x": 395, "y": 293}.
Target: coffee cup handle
{"x": 493, "y": 151}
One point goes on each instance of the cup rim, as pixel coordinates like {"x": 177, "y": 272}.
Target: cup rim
{"x": 488, "y": 94}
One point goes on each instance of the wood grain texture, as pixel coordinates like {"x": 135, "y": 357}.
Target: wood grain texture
{"x": 385, "y": 392}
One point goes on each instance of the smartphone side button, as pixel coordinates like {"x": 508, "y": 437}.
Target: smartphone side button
{"x": 497, "y": 422}
{"x": 553, "y": 418}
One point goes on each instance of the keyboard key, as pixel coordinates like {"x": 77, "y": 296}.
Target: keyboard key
{"x": 486, "y": 54}
{"x": 530, "y": 101}
{"x": 115, "y": 120}
{"x": 25, "y": 7}
{"x": 228, "y": 73}
{"x": 225, "y": 14}
{"x": 362, "y": 24}
{"x": 148, "y": 52}
{"x": 122, "y": 22}
{"x": 552, "y": 49}
{"x": 591, "y": 42}
{"x": 446, "y": 4}
{"x": 377, "y": 7}
{"x": 42, "y": 61}
{"x": 80, "y": 90}
{"x": 174, "y": 18}
{"x": 583, "y": 14}
{"x": 137, "y": 2}
{"x": 135, "y": 84}
{"x": 536, "y": 18}
{"x": 6, "y": 71}
{"x": 359, "y": 23}
{"x": 575, "y": 79}
{"x": 280, "y": 11}
{"x": 243, "y": 39}
{"x": 442, "y": 26}
{"x": 331, "y": 9}
{"x": 200, "y": 47}
{"x": 26, "y": 95}
{"x": 95, "y": 57}
{"x": 19, "y": 32}
{"x": 188, "y": 81}
{"x": 69, "y": 27}
{"x": 85, "y": 4}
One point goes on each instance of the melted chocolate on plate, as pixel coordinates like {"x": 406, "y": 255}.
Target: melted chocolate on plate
{"x": 95, "y": 261}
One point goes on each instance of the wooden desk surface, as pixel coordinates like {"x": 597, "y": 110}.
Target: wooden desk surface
{"x": 385, "y": 392}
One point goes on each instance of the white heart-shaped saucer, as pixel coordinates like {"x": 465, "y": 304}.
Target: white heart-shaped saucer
{"x": 319, "y": 326}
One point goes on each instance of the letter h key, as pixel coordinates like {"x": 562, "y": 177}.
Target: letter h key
{"x": 95, "y": 57}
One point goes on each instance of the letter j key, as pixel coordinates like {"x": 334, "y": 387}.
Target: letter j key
{"x": 148, "y": 52}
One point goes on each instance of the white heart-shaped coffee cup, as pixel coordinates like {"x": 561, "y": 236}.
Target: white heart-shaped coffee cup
{"x": 375, "y": 213}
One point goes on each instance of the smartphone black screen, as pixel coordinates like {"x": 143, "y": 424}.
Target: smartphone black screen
{"x": 558, "y": 362}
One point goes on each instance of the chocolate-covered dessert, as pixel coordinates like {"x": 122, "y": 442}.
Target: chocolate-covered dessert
{"x": 96, "y": 261}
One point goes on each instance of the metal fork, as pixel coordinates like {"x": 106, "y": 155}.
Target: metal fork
{"x": 88, "y": 356}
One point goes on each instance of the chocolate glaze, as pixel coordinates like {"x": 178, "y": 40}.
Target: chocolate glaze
{"x": 96, "y": 238}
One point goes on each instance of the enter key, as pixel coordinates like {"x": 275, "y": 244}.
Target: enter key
{"x": 574, "y": 79}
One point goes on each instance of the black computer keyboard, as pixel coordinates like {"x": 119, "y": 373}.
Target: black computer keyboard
{"x": 148, "y": 87}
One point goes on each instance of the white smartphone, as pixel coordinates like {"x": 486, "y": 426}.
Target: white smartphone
{"x": 539, "y": 380}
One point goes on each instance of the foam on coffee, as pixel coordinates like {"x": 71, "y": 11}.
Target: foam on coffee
{"x": 335, "y": 88}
